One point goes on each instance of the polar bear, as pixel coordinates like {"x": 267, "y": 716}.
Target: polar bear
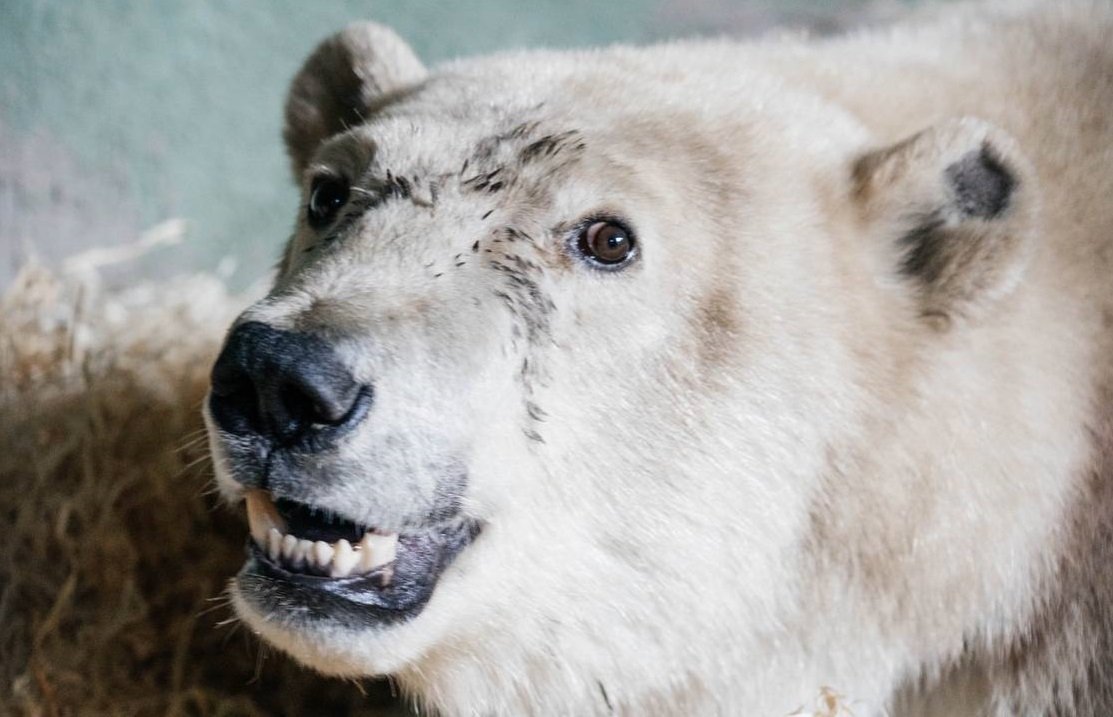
{"x": 695, "y": 378}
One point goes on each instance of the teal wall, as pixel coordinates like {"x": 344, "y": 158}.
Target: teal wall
{"x": 116, "y": 115}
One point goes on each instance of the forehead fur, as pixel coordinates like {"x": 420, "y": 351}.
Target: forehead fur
{"x": 549, "y": 138}
{"x": 523, "y": 108}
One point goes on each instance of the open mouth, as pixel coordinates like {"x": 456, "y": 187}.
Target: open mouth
{"x": 306, "y": 563}
{"x": 302, "y": 540}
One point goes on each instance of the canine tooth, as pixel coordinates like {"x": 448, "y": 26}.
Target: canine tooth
{"x": 376, "y": 550}
{"x": 274, "y": 543}
{"x": 322, "y": 553}
{"x": 343, "y": 560}
{"x": 366, "y": 555}
{"x": 262, "y": 515}
{"x": 289, "y": 544}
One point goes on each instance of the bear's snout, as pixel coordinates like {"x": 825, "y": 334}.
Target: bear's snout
{"x": 287, "y": 389}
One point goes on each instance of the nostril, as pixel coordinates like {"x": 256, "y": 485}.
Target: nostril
{"x": 234, "y": 401}
{"x": 316, "y": 401}
{"x": 301, "y": 406}
{"x": 293, "y": 402}
{"x": 322, "y": 414}
{"x": 282, "y": 386}
{"x": 228, "y": 378}
{"x": 333, "y": 402}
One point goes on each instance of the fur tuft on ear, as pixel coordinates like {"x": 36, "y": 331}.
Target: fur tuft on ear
{"x": 347, "y": 77}
{"x": 956, "y": 205}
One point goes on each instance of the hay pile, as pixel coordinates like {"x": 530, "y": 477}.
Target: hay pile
{"x": 114, "y": 557}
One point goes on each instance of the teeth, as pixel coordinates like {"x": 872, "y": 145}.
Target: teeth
{"x": 365, "y": 554}
{"x": 344, "y": 560}
{"x": 289, "y": 545}
{"x": 262, "y": 516}
{"x": 337, "y": 560}
{"x": 322, "y": 554}
{"x": 376, "y": 550}
{"x": 274, "y": 543}
{"x": 302, "y": 554}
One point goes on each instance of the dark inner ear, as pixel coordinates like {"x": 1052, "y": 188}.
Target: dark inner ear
{"x": 347, "y": 78}
{"x": 981, "y": 188}
{"x": 327, "y": 97}
{"x": 981, "y": 184}
{"x": 953, "y": 207}
{"x": 346, "y": 94}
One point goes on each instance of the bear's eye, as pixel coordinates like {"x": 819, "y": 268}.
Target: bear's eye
{"x": 326, "y": 197}
{"x": 606, "y": 242}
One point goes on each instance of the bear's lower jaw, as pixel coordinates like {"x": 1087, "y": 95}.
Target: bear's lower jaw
{"x": 296, "y": 600}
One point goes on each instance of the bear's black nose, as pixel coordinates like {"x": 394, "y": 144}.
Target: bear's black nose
{"x": 283, "y": 387}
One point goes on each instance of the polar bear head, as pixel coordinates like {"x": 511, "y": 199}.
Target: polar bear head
{"x": 547, "y": 392}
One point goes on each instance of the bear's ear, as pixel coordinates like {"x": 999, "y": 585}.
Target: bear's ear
{"x": 954, "y": 208}
{"x": 345, "y": 79}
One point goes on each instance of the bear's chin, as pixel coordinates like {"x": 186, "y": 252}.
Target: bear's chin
{"x": 333, "y": 635}
{"x": 339, "y": 618}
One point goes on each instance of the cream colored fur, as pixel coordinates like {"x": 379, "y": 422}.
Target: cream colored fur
{"x": 776, "y": 453}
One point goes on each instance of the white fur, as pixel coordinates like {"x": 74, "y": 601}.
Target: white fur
{"x": 764, "y": 469}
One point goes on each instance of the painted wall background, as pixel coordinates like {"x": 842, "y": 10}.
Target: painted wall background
{"x": 123, "y": 120}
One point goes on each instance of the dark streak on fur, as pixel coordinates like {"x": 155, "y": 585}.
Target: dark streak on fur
{"x": 523, "y": 130}
{"x": 501, "y": 170}
{"x": 485, "y": 181}
{"x": 549, "y": 146}
{"x": 513, "y": 234}
{"x": 535, "y": 412}
{"x": 531, "y": 309}
{"x": 381, "y": 190}
{"x": 606, "y": 699}
{"x": 498, "y": 164}
{"x": 531, "y": 305}
{"x": 922, "y": 250}
{"x": 505, "y": 299}
{"x": 397, "y": 186}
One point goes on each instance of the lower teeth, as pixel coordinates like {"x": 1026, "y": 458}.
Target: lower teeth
{"x": 337, "y": 560}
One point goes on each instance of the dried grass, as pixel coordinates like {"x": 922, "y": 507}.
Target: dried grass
{"x": 113, "y": 559}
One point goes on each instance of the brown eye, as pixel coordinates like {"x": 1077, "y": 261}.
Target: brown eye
{"x": 326, "y": 197}
{"x": 607, "y": 243}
